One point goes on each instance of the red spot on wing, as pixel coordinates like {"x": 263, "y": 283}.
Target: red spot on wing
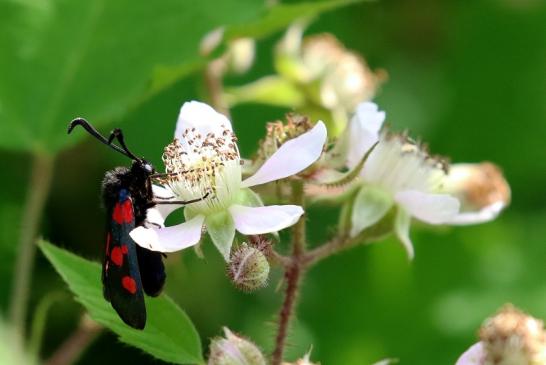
{"x": 129, "y": 284}
{"x": 123, "y": 212}
{"x": 117, "y": 256}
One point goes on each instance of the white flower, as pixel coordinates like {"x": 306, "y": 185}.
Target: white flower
{"x": 400, "y": 173}
{"x": 204, "y": 161}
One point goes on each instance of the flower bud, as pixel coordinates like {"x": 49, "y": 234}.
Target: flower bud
{"x": 481, "y": 188}
{"x": 342, "y": 77}
{"x": 234, "y": 350}
{"x": 241, "y": 54}
{"x": 248, "y": 268}
{"x": 513, "y": 338}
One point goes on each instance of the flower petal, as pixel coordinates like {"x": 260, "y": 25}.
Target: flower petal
{"x": 292, "y": 157}
{"x": 401, "y": 229}
{"x": 222, "y": 232}
{"x": 430, "y": 208}
{"x": 155, "y": 217}
{"x": 162, "y": 192}
{"x": 370, "y": 205}
{"x": 260, "y": 220}
{"x": 485, "y": 214}
{"x": 475, "y": 355}
{"x": 202, "y": 117}
{"x": 169, "y": 239}
{"x": 363, "y": 131}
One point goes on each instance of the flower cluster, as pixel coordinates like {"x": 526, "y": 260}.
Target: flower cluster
{"x": 385, "y": 171}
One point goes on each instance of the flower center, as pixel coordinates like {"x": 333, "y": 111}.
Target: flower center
{"x": 200, "y": 166}
{"x": 397, "y": 163}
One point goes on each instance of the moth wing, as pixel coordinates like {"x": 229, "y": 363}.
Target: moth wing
{"x": 121, "y": 275}
{"x": 152, "y": 271}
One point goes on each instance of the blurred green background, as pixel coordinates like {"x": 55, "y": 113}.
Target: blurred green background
{"x": 467, "y": 77}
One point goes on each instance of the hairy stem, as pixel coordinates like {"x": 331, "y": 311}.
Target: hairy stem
{"x": 73, "y": 347}
{"x": 345, "y": 242}
{"x": 40, "y": 181}
{"x": 293, "y": 276}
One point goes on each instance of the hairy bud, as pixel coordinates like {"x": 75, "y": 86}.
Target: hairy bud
{"x": 234, "y": 350}
{"x": 513, "y": 338}
{"x": 248, "y": 268}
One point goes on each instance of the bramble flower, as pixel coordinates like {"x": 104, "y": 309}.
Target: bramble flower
{"x": 203, "y": 162}
{"x": 399, "y": 173}
{"x": 511, "y": 337}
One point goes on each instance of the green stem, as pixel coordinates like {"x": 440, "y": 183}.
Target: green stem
{"x": 40, "y": 181}
{"x": 74, "y": 346}
{"x": 294, "y": 272}
{"x": 39, "y": 320}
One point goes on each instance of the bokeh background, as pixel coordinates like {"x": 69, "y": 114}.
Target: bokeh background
{"x": 467, "y": 77}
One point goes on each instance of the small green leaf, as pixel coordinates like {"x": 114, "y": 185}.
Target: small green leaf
{"x": 280, "y": 16}
{"x": 169, "y": 334}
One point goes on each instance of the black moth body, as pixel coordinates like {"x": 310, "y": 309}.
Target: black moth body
{"x": 128, "y": 270}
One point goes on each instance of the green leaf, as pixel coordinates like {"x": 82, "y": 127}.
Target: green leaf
{"x": 279, "y": 17}
{"x": 169, "y": 334}
{"x": 61, "y": 59}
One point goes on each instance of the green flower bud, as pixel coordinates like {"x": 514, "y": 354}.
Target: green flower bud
{"x": 234, "y": 350}
{"x": 248, "y": 268}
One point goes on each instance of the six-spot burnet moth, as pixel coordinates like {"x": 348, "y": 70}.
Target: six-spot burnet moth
{"x": 128, "y": 270}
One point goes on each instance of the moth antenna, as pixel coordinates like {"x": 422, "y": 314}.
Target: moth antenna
{"x": 92, "y": 131}
{"x": 118, "y": 134}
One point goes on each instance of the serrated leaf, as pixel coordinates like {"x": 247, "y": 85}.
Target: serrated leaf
{"x": 61, "y": 59}
{"x": 169, "y": 334}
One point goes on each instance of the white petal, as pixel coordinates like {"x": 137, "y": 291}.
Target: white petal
{"x": 475, "y": 355}
{"x": 202, "y": 117}
{"x": 363, "y": 131}
{"x": 156, "y": 216}
{"x": 162, "y": 192}
{"x": 292, "y": 157}
{"x": 401, "y": 229}
{"x": 486, "y": 214}
{"x": 370, "y": 205}
{"x": 169, "y": 239}
{"x": 260, "y": 220}
{"x": 430, "y": 208}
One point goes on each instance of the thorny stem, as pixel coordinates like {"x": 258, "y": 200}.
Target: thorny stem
{"x": 293, "y": 275}
{"x": 40, "y": 181}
